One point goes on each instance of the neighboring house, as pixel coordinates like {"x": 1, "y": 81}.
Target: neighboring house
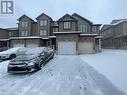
{"x": 31, "y": 33}
{"x": 115, "y": 34}
{"x": 71, "y": 34}
{"x": 75, "y": 35}
{"x": 4, "y": 37}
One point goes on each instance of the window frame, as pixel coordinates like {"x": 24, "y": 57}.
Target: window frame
{"x": 83, "y": 28}
{"x": 24, "y": 33}
{"x": 24, "y": 23}
{"x": 43, "y": 23}
{"x": 67, "y": 24}
{"x": 41, "y": 32}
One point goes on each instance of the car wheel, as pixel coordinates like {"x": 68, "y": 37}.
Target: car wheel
{"x": 12, "y": 56}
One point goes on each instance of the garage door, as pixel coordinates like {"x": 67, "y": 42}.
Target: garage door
{"x": 32, "y": 45}
{"x": 68, "y": 47}
{"x": 18, "y": 45}
{"x": 85, "y": 47}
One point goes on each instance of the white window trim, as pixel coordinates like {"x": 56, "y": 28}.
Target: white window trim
{"x": 67, "y": 25}
{"x": 83, "y": 28}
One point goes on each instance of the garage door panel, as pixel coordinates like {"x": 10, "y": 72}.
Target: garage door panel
{"x": 85, "y": 47}
{"x": 68, "y": 47}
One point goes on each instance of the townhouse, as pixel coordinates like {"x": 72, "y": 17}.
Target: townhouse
{"x": 115, "y": 34}
{"x": 71, "y": 34}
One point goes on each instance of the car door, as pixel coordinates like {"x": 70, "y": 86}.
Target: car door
{"x": 46, "y": 54}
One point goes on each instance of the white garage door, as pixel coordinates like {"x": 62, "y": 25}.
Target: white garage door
{"x": 68, "y": 47}
{"x": 18, "y": 45}
{"x": 32, "y": 45}
{"x": 85, "y": 47}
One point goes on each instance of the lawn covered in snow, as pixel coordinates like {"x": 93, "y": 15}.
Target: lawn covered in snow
{"x": 112, "y": 64}
{"x": 63, "y": 75}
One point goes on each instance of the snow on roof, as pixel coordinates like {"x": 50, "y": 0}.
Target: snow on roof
{"x": 52, "y": 36}
{"x": 72, "y": 32}
{"x": 88, "y": 34}
{"x": 30, "y": 37}
{"x": 119, "y": 22}
{"x": 4, "y": 39}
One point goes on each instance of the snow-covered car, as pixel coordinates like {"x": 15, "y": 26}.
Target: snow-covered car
{"x": 12, "y": 53}
{"x": 32, "y": 60}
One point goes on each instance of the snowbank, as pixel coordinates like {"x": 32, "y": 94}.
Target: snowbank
{"x": 112, "y": 64}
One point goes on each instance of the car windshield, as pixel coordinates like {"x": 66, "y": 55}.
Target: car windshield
{"x": 37, "y": 50}
{"x": 26, "y": 57}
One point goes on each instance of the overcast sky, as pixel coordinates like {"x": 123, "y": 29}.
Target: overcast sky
{"x": 97, "y": 11}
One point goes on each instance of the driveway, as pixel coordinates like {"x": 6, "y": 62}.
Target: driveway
{"x": 63, "y": 75}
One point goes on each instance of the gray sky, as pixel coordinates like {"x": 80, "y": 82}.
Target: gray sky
{"x": 97, "y": 11}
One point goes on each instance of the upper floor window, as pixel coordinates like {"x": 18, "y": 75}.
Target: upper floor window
{"x": 43, "y": 23}
{"x": 43, "y": 32}
{"x": 24, "y": 33}
{"x": 83, "y": 28}
{"x": 67, "y": 25}
{"x": 55, "y": 29}
{"x": 24, "y": 24}
{"x": 94, "y": 29}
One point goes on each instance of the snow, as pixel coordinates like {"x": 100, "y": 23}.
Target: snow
{"x": 30, "y": 37}
{"x": 63, "y": 75}
{"x": 10, "y": 51}
{"x": 36, "y": 50}
{"x": 112, "y": 64}
{"x": 88, "y": 34}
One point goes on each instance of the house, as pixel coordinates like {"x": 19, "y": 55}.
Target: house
{"x": 115, "y": 34}
{"x": 71, "y": 34}
{"x": 31, "y": 33}
{"x": 77, "y": 35}
{"x": 4, "y": 37}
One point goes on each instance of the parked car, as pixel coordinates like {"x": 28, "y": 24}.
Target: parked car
{"x": 32, "y": 60}
{"x": 12, "y": 53}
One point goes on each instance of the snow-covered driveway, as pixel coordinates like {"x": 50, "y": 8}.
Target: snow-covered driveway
{"x": 64, "y": 75}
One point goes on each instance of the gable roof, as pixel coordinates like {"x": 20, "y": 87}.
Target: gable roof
{"x": 67, "y": 15}
{"x": 43, "y": 14}
{"x": 26, "y": 17}
{"x": 75, "y": 14}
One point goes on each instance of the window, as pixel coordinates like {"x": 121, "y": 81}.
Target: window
{"x": 43, "y": 32}
{"x": 24, "y": 24}
{"x": 43, "y": 23}
{"x": 94, "y": 29}
{"x": 55, "y": 29}
{"x": 24, "y": 33}
{"x": 67, "y": 25}
{"x": 83, "y": 28}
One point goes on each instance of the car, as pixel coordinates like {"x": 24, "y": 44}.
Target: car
{"x": 32, "y": 60}
{"x": 12, "y": 53}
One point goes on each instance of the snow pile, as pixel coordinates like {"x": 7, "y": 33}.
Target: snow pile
{"x": 112, "y": 64}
